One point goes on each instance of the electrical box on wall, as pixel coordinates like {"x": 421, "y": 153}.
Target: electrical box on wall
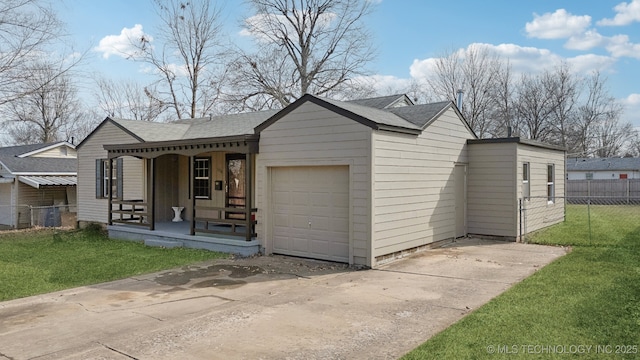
{"x": 217, "y": 185}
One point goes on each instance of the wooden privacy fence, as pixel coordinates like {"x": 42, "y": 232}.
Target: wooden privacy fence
{"x": 627, "y": 190}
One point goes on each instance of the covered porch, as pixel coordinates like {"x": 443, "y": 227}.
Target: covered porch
{"x": 196, "y": 193}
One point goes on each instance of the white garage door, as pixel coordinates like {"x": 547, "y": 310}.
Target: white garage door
{"x": 310, "y": 207}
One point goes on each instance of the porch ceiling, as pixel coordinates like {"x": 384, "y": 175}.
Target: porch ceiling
{"x": 245, "y": 144}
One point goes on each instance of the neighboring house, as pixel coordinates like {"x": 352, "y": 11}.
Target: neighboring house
{"x": 358, "y": 182}
{"x": 35, "y": 176}
{"x": 603, "y": 168}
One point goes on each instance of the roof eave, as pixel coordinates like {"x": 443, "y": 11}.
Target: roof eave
{"x": 515, "y": 140}
{"x": 44, "y": 173}
{"x": 398, "y": 129}
{"x": 242, "y": 143}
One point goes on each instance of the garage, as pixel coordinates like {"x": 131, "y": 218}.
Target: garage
{"x": 310, "y": 211}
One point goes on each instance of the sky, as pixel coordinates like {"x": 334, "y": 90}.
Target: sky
{"x": 534, "y": 35}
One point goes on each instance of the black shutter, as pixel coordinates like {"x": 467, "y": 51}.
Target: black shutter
{"x": 99, "y": 177}
{"x": 119, "y": 181}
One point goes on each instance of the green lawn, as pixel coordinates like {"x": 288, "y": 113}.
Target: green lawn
{"x": 589, "y": 297}
{"x": 36, "y": 262}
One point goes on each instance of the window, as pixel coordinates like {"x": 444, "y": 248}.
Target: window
{"x": 589, "y": 176}
{"x": 623, "y": 176}
{"x": 102, "y": 179}
{"x": 550, "y": 186}
{"x": 202, "y": 178}
{"x": 525, "y": 180}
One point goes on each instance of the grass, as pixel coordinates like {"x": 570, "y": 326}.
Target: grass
{"x": 37, "y": 262}
{"x": 589, "y": 297}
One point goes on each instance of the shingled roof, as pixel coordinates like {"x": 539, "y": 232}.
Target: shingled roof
{"x": 384, "y": 102}
{"x": 9, "y": 158}
{"x": 603, "y": 164}
{"x": 392, "y": 113}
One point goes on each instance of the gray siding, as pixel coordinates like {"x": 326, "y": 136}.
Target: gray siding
{"x": 491, "y": 188}
{"x": 313, "y": 136}
{"x": 413, "y": 180}
{"x": 542, "y": 213}
{"x": 91, "y": 209}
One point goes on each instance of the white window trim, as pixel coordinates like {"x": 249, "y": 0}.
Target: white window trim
{"x": 526, "y": 182}
{"x": 207, "y": 160}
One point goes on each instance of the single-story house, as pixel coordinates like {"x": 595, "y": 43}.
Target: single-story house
{"x": 359, "y": 182}
{"x": 613, "y": 168}
{"x": 36, "y": 176}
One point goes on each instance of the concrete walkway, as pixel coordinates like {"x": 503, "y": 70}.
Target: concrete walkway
{"x": 270, "y": 307}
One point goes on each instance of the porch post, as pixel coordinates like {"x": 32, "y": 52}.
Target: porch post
{"x": 110, "y": 188}
{"x": 192, "y": 227}
{"x": 248, "y": 204}
{"x": 151, "y": 191}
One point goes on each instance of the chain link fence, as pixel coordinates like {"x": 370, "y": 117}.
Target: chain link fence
{"x": 592, "y": 220}
{"x": 26, "y": 216}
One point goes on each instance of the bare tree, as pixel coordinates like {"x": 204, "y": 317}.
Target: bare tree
{"x": 563, "y": 89}
{"x": 475, "y": 71}
{"x": 303, "y": 46}
{"x": 612, "y": 137}
{"x": 48, "y": 111}
{"x": 503, "y": 111}
{"x": 187, "y": 59}
{"x": 129, "y": 100}
{"x": 533, "y": 108}
{"x": 26, "y": 28}
{"x": 595, "y": 116}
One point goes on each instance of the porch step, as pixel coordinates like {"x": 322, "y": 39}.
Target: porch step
{"x": 169, "y": 244}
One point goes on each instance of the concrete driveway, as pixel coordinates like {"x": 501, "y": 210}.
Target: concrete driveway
{"x": 271, "y": 307}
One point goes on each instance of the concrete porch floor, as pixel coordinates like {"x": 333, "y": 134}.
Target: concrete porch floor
{"x": 176, "y": 234}
{"x": 269, "y": 307}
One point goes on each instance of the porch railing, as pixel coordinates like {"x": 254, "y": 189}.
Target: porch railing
{"x": 224, "y": 221}
{"x": 130, "y": 212}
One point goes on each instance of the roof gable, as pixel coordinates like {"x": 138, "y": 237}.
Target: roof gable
{"x": 45, "y": 147}
{"x": 374, "y": 118}
{"x": 109, "y": 120}
{"x": 421, "y": 115}
{"x": 384, "y": 102}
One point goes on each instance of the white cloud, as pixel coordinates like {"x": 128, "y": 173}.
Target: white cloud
{"x": 626, "y": 13}
{"x": 259, "y": 25}
{"x": 631, "y": 109}
{"x": 585, "y": 41}
{"x": 557, "y": 25}
{"x": 620, "y": 46}
{"x": 522, "y": 60}
{"x": 177, "y": 70}
{"x": 385, "y": 84}
{"x": 422, "y": 68}
{"x": 589, "y": 62}
{"x": 123, "y": 44}
{"x": 633, "y": 100}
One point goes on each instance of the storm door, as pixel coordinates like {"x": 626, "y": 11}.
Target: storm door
{"x": 236, "y": 194}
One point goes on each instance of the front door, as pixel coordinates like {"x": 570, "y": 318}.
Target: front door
{"x": 235, "y": 197}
